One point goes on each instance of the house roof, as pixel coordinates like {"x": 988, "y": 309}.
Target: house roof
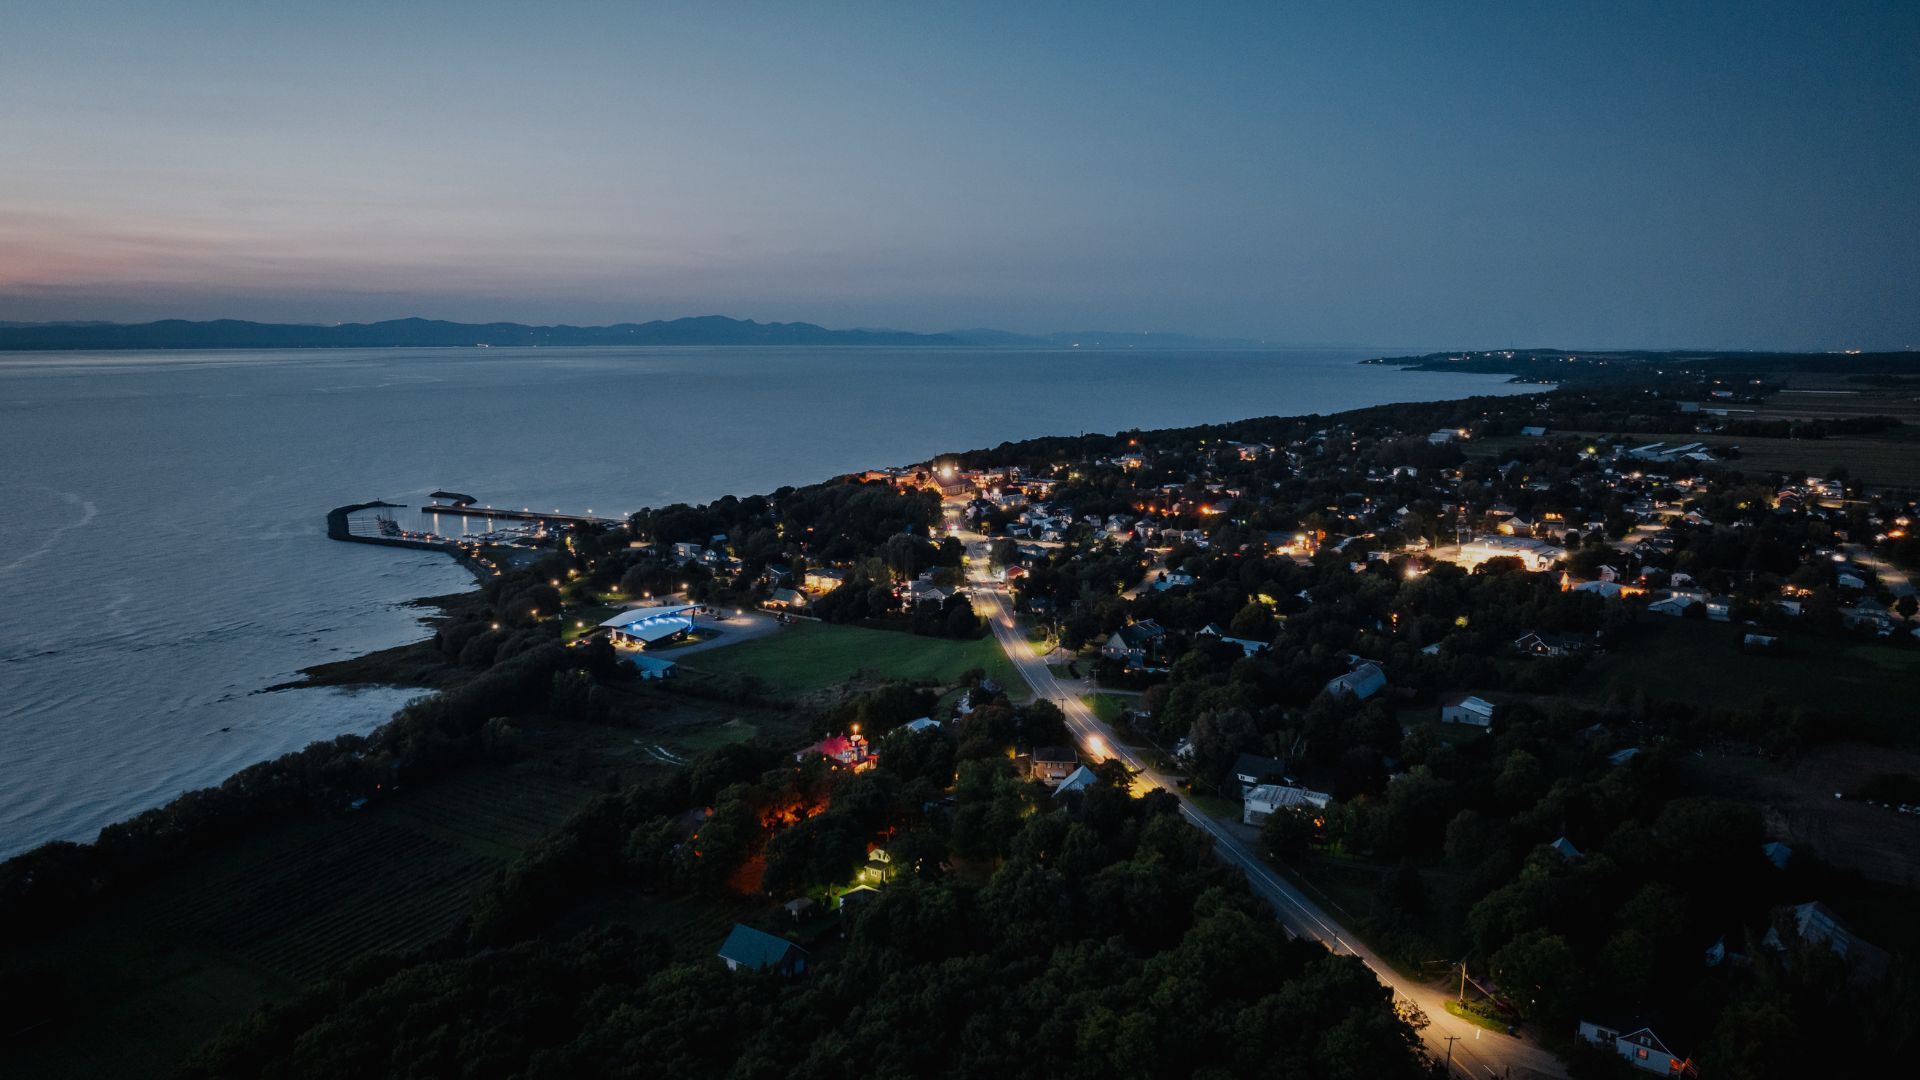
{"x": 1077, "y": 779}
{"x": 1054, "y": 753}
{"x": 642, "y": 614}
{"x": 1364, "y": 681}
{"x": 650, "y": 663}
{"x": 658, "y": 629}
{"x": 1137, "y": 635}
{"x": 756, "y": 949}
{"x": 1473, "y": 704}
{"x": 1279, "y": 795}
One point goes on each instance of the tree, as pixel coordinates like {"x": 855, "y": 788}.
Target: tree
{"x": 1290, "y": 832}
{"x": 1538, "y": 973}
{"x": 1219, "y": 736}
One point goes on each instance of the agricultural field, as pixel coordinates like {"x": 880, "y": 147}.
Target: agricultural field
{"x": 1701, "y": 662}
{"x": 1798, "y": 798}
{"x": 809, "y": 657}
{"x": 1890, "y": 459}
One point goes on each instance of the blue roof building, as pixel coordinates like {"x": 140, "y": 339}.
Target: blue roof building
{"x": 756, "y": 950}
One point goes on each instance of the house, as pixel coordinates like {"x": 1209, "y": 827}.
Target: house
{"x": 1247, "y": 645}
{"x": 1135, "y": 644}
{"x": 786, "y": 598}
{"x": 925, "y": 723}
{"x": 1675, "y": 605}
{"x": 652, "y": 667}
{"x": 1638, "y": 1046}
{"x": 823, "y": 579}
{"x": 1533, "y": 431}
{"x": 1467, "y": 709}
{"x": 1564, "y": 848}
{"x": 1262, "y": 801}
{"x": 857, "y": 897}
{"x": 921, "y": 590}
{"x": 1076, "y": 780}
{"x": 1814, "y": 925}
{"x": 1719, "y": 608}
{"x": 1252, "y": 770}
{"x": 1541, "y": 643}
{"x": 1052, "y": 764}
{"x": 850, "y": 749}
{"x": 1447, "y": 435}
{"x": 747, "y": 949}
{"x": 799, "y": 908}
{"x": 1621, "y": 757}
{"x": 1777, "y": 853}
{"x": 1173, "y": 580}
{"x": 1365, "y": 680}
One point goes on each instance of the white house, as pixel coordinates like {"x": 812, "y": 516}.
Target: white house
{"x": 1264, "y": 800}
{"x": 1468, "y": 709}
{"x": 1638, "y": 1046}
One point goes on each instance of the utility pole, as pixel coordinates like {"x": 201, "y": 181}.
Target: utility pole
{"x": 1451, "y": 1039}
{"x": 1463, "y": 981}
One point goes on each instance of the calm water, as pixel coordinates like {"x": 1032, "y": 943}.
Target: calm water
{"x": 162, "y": 555}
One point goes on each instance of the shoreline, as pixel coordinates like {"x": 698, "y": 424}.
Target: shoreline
{"x": 414, "y": 666}
{"x": 411, "y": 665}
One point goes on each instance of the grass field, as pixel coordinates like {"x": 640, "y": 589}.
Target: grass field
{"x": 1108, "y": 706}
{"x": 1701, "y": 662}
{"x": 810, "y": 657}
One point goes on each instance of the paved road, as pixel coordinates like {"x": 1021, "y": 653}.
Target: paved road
{"x": 1478, "y": 1053}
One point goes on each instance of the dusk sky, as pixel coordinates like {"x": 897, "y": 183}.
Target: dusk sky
{"x": 1438, "y": 175}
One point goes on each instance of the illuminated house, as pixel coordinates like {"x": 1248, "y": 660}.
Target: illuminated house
{"x": 1052, "y": 764}
{"x": 823, "y": 579}
{"x": 851, "y": 750}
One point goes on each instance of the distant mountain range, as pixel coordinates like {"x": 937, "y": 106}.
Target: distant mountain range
{"x": 435, "y": 333}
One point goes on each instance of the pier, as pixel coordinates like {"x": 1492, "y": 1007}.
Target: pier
{"x": 463, "y": 509}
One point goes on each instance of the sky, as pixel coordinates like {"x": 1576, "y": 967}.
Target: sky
{"x": 1411, "y": 175}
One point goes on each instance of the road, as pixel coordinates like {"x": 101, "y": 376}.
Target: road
{"x": 1477, "y": 1053}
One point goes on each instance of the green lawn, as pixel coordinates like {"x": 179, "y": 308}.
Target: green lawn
{"x": 1218, "y": 807}
{"x": 1107, "y": 706}
{"x": 1701, "y": 662}
{"x": 808, "y": 657}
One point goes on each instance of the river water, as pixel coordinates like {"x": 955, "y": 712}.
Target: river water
{"x": 162, "y": 545}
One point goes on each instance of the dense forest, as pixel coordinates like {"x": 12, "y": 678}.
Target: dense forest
{"x": 1026, "y": 936}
